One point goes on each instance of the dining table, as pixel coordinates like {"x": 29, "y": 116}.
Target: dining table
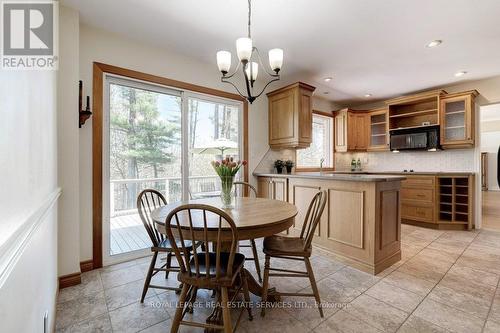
{"x": 254, "y": 218}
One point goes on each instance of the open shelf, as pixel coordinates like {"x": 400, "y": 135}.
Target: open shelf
{"x": 414, "y": 113}
{"x": 455, "y": 112}
{"x": 454, "y": 200}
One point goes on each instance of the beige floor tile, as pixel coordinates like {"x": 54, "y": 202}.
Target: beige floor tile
{"x": 379, "y": 314}
{"x": 476, "y": 306}
{"x": 478, "y": 276}
{"x": 449, "y": 245}
{"x": 343, "y": 322}
{"x": 416, "y": 324}
{"x": 488, "y": 238}
{"x": 448, "y": 317}
{"x": 408, "y": 251}
{"x": 91, "y": 284}
{"x": 427, "y": 234}
{"x": 439, "y": 255}
{"x": 137, "y": 316}
{"x": 409, "y": 282}
{"x": 425, "y": 268}
{"x": 491, "y": 327}
{"x": 162, "y": 327}
{"x": 468, "y": 286}
{"x": 275, "y": 321}
{"x": 117, "y": 277}
{"x": 80, "y": 309}
{"x": 399, "y": 298}
{"x": 415, "y": 241}
{"x": 118, "y": 266}
{"x": 353, "y": 278}
{"x": 322, "y": 268}
{"x": 335, "y": 292}
{"x": 125, "y": 294}
{"x": 100, "y": 324}
{"x": 495, "y": 308}
{"x": 304, "y": 309}
{"x": 462, "y": 236}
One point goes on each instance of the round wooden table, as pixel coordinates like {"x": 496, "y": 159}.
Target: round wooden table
{"x": 254, "y": 218}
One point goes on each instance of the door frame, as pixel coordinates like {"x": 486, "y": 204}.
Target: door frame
{"x": 98, "y": 99}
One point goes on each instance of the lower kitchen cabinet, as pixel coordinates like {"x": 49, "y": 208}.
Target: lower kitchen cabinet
{"x": 275, "y": 188}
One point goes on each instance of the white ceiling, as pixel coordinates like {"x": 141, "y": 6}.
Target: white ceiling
{"x": 367, "y": 46}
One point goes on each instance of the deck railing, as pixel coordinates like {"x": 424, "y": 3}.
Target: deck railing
{"x": 124, "y": 192}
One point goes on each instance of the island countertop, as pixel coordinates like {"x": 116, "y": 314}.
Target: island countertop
{"x": 347, "y": 176}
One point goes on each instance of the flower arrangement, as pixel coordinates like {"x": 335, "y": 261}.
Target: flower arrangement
{"x": 227, "y": 169}
{"x": 289, "y": 165}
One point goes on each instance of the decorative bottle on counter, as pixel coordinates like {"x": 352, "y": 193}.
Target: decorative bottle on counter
{"x": 358, "y": 165}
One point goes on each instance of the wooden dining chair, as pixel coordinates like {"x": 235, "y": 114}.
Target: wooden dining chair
{"x": 252, "y": 245}
{"x": 219, "y": 270}
{"x": 295, "y": 248}
{"x": 147, "y": 201}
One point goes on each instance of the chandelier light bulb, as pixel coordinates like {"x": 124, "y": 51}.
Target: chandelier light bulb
{"x": 252, "y": 74}
{"x": 244, "y": 48}
{"x": 224, "y": 61}
{"x": 276, "y": 59}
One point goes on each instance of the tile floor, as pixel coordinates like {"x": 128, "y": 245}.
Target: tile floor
{"x": 446, "y": 282}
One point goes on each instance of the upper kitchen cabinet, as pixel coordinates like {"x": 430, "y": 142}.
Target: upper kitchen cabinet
{"x": 290, "y": 116}
{"x": 352, "y": 130}
{"x": 379, "y": 128}
{"x": 415, "y": 110}
{"x": 457, "y": 119}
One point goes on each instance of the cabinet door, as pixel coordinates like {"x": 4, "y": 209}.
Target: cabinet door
{"x": 305, "y": 118}
{"x": 362, "y": 132}
{"x": 378, "y": 129}
{"x": 352, "y": 140}
{"x": 264, "y": 187}
{"x": 280, "y": 189}
{"x": 456, "y": 119}
{"x": 281, "y": 118}
{"x": 341, "y": 132}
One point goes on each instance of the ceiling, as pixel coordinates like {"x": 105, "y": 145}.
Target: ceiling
{"x": 367, "y": 46}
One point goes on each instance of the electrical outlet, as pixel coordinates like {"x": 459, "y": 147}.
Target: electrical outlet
{"x": 46, "y": 322}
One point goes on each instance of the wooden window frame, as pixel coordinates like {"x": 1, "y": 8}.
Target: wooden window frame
{"x": 325, "y": 114}
{"x": 99, "y": 70}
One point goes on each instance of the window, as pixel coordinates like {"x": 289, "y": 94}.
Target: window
{"x": 321, "y": 146}
{"x": 164, "y": 139}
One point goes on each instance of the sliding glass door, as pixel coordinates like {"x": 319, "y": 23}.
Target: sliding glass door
{"x": 160, "y": 138}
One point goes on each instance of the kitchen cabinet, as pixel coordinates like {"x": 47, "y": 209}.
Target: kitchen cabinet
{"x": 457, "y": 119}
{"x": 290, "y": 116}
{"x": 352, "y": 130}
{"x": 275, "y": 188}
{"x": 379, "y": 130}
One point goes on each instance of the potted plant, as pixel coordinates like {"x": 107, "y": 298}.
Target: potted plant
{"x": 227, "y": 169}
{"x": 289, "y": 165}
{"x": 279, "y": 164}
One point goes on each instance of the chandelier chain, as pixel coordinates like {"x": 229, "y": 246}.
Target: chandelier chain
{"x": 249, "y": 17}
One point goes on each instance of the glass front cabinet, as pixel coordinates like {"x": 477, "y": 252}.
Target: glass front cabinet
{"x": 457, "y": 119}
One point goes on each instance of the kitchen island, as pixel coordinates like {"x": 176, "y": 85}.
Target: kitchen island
{"x": 361, "y": 223}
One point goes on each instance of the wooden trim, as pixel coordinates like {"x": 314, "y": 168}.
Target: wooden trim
{"x": 86, "y": 265}
{"x": 296, "y": 84}
{"x": 416, "y": 97}
{"x": 97, "y": 126}
{"x": 69, "y": 280}
{"x": 323, "y": 113}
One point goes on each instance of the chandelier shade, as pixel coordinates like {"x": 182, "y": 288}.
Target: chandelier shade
{"x": 249, "y": 61}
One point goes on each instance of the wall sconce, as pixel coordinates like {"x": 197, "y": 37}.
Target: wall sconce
{"x": 84, "y": 114}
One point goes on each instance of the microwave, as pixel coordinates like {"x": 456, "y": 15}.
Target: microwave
{"x": 416, "y": 138}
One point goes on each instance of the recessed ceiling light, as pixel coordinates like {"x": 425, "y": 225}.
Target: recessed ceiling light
{"x": 325, "y": 92}
{"x": 368, "y": 95}
{"x": 461, "y": 73}
{"x": 435, "y": 43}
{"x": 328, "y": 79}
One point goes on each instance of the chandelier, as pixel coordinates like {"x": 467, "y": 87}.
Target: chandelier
{"x": 249, "y": 60}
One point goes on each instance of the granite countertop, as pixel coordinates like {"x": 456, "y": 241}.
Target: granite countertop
{"x": 353, "y": 177}
{"x": 423, "y": 173}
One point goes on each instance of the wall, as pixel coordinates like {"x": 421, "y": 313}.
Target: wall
{"x": 490, "y": 140}
{"x": 28, "y": 196}
{"x": 68, "y": 143}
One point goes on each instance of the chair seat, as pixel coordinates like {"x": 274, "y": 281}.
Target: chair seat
{"x": 166, "y": 246}
{"x": 239, "y": 259}
{"x": 285, "y": 246}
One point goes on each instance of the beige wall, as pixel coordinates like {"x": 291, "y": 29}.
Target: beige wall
{"x": 68, "y": 143}
{"x": 28, "y": 197}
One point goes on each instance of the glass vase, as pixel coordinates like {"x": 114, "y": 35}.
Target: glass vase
{"x": 227, "y": 191}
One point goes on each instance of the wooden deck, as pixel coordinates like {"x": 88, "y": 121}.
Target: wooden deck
{"x": 128, "y": 234}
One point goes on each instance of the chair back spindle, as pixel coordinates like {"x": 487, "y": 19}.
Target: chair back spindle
{"x": 242, "y": 185}
{"x": 312, "y": 218}
{"x": 210, "y": 221}
{"x": 147, "y": 201}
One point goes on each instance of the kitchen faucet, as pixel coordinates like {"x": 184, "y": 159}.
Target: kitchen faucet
{"x": 321, "y": 165}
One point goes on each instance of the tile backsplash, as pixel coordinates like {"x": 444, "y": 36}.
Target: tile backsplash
{"x": 446, "y": 160}
{"x": 266, "y": 165}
